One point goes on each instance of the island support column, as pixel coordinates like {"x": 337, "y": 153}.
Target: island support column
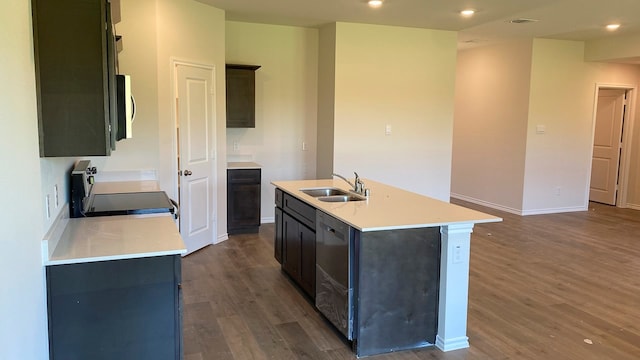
{"x": 454, "y": 287}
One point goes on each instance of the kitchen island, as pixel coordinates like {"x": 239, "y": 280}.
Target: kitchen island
{"x": 408, "y": 262}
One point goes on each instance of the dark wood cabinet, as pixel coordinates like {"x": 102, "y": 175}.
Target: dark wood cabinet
{"x": 243, "y": 200}
{"x": 277, "y": 245}
{"x": 74, "y": 48}
{"x": 241, "y": 103}
{"x": 292, "y": 246}
{"x": 119, "y": 309}
{"x": 295, "y": 234}
{"x": 308, "y": 260}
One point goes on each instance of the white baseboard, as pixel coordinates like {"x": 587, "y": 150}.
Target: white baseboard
{"x": 554, "y": 210}
{"x": 268, "y": 220}
{"x": 519, "y": 211}
{"x": 486, "y": 203}
{"x": 221, "y": 238}
{"x": 452, "y": 344}
{"x": 633, "y": 206}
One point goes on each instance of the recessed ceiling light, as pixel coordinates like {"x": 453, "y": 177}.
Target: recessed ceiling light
{"x": 375, "y": 3}
{"x": 467, "y": 13}
{"x": 613, "y": 27}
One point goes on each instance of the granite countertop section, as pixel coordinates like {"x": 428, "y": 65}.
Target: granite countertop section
{"x": 387, "y": 208}
{"x": 243, "y": 165}
{"x": 115, "y": 238}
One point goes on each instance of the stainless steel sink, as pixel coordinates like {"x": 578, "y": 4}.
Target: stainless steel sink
{"x": 329, "y": 191}
{"x": 341, "y": 198}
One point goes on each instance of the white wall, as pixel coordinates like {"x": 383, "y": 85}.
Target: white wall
{"x": 326, "y": 96}
{"x": 557, "y": 162}
{"x": 137, "y": 59}
{"x": 23, "y": 317}
{"x": 286, "y": 102}
{"x": 405, "y": 78}
{"x": 490, "y": 126}
{"x": 555, "y": 166}
{"x": 613, "y": 48}
{"x": 562, "y": 99}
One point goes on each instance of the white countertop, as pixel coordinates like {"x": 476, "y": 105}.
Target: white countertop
{"x": 243, "y": 165}
{"x": 387, "y": 207}
{"x": 100, "y": 238}
{"x": 116, "y": 237}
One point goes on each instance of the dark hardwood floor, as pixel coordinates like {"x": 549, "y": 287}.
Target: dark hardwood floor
{"x": 561, "y": 286}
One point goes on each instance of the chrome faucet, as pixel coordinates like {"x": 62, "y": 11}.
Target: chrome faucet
{"x": 358, "y": 186}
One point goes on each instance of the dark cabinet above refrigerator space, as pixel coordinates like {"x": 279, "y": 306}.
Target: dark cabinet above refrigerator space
{"x": 241, "y": 103}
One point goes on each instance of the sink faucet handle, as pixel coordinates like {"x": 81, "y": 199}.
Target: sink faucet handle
{"x": 359, "y": 185}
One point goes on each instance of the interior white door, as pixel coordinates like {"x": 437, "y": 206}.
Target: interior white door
{"x": 194, "y": 101}
{"x": 606, "y": 146}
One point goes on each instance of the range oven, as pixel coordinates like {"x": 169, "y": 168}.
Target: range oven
{"x": 84, "y": 203}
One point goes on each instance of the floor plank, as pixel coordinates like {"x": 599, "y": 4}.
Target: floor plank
{"x": 559, "y": 286}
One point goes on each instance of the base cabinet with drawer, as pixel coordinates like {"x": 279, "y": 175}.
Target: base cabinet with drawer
{"x": 295, "y": 240}
{"x": 243, "y": 201}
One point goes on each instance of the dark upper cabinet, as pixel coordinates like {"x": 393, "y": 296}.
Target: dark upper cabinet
{"x": 74, "y": 49}
{"x": 241, "y": 100}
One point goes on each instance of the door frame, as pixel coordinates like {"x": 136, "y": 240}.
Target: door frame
{"x": 175, "y": 62}
{"x": 627, "y": 138}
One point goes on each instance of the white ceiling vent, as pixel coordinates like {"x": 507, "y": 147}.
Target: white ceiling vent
{"x": 522, "y": 21}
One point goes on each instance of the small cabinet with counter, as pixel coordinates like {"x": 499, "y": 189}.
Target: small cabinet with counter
{"x": 243, "y": 197}
{"x": 391, "y": 269}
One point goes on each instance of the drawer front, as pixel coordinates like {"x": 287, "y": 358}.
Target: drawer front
{"x": 243, "y": 176}
{"x": 304, "y": 213}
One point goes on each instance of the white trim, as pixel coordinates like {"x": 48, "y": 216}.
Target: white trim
{"x": 268, "y": 220}
{"x": 627, "y": 140}
{"x": 554, "y": 210}
{"x": 452, "y": 344}
{"x": 453, "y": 298}
{"x": 633, "y": 206}
{"x": 175, "y": 62}
{"x": 520, "y": 211}
{"x": 221, "y": 238}
{"x": 486, "y": 203}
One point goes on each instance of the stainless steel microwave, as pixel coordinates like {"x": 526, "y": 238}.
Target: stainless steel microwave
{"x": 126, "y": 107}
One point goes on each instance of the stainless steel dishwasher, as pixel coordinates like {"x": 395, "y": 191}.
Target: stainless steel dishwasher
{"x": 334, "y": 275}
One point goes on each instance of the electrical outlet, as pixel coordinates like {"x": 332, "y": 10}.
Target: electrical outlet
{"x": 56, "y": 197}
{"x": 47, "y": 206}
{"x": 236, "y": 146}
{"x": 457, "y": 254}
{"x": 304, "y": 146}
{"x": 556, "y": 191}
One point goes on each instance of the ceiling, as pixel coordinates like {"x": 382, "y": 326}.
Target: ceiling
{"x": 558, "y": 19}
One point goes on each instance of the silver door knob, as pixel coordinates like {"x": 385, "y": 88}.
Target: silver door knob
{"x": 187, "y": 173}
